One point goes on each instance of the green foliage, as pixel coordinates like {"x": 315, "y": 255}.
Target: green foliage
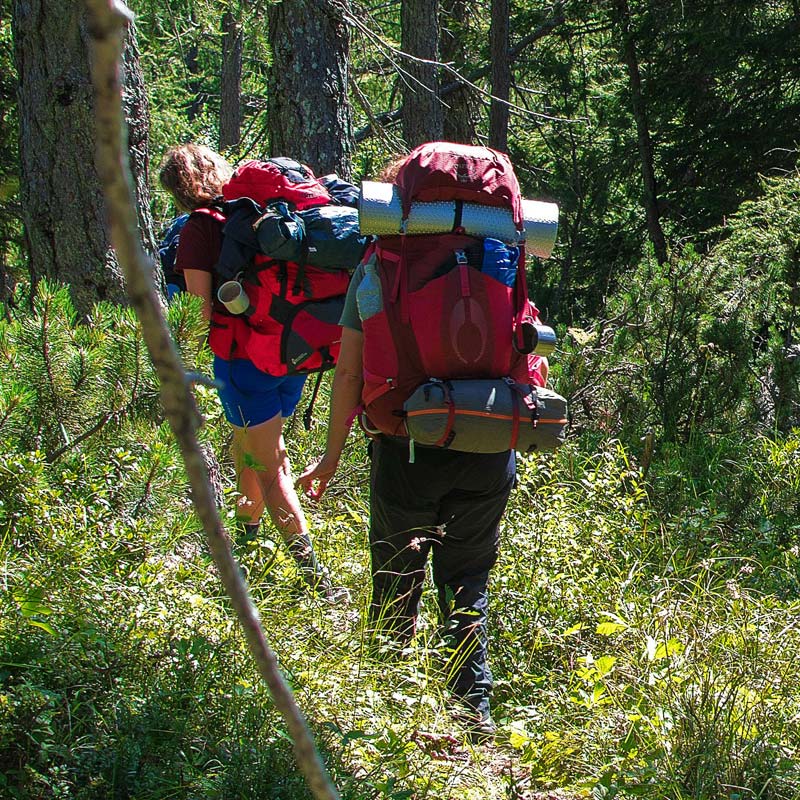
{"x": 720, "y": 113}
{"x": 656, "y": 656}
{"x": 68, "y": 382}
{"x": 10, "y": 225}
{"x": 644, "y": 614}
{"x": 701, "y": 345}
{"x": 642, "y": 628}
{"x": 80, "y": 412}
{"x": 181, "y": 59}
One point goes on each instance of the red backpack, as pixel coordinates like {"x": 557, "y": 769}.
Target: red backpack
{"x": 446, "y": 171}
{"x": 439, "y": 316}
{"x": 292, "y": 325}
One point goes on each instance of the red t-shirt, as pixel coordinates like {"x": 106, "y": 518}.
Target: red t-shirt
{"x": 199, "y": 247}
{"x": 199, "y": 244}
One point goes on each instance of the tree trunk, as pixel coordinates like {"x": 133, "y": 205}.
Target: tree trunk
{"x": 448, "y": 90}
{"x": 176, "y": 391}
{"x": 461, "y": 111}
{"x": 309, "y": 114}
{"x": 501, "y": 75}
{"x": 230, "y": 109}
{"x": 654, "y": 229}
{"x": 62, "y": 205}
{"x": 195, "y": 83}
{"x": 422, "y": 108}
{"x": 137, "y": 121}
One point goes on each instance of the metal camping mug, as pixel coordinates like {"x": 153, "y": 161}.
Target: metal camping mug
{"x": 544, "y": 340}
{"x": 233, "y": 296}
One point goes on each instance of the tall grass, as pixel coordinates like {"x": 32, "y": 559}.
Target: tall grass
{"x": 644, "y": 631}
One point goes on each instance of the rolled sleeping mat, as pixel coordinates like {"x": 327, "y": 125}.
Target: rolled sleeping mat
{"x": 380, "y": 214}
{"x": 486, "y": 416}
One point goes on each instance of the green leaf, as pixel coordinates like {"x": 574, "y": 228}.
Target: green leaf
{"x": 609, "y": 628}
{"x": 43, "y": 625}
{"x": 30, "y": 603}
{"x": 604, "y": 665}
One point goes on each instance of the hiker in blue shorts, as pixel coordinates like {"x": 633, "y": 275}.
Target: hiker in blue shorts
{"x": 255, "y": 403}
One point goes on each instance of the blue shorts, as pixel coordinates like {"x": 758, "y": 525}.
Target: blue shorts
{"x": 250, "y": 396}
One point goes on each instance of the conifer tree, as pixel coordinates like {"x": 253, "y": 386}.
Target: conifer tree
{"x": 62, "y": 205}
{"x": 309, "y": 112}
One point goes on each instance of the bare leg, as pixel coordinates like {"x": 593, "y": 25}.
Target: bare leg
{"x": 265, "y": 478}
{"x": 265, "y": 482}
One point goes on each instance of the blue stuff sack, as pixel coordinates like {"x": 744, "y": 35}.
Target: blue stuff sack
{"x": 500, "y": 261}
{"x": 342, "y": 191}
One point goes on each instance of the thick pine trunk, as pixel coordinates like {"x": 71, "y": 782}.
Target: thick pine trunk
{"x": 309, "y": 115}
{"x": 62, "y": 204}
{"x": 461, "y": 110}
{"x": 423, "y": 120}
{"x": 137, "y": 120}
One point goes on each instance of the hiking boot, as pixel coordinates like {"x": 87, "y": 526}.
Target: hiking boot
{"x": 313, "y": 573}
{"x": 247, "y": 533}
{"x": 477, "y": 722}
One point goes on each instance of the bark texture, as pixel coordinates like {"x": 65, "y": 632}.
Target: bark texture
{"x": 501, "y": 74}
{"x": 62, "y": 204}
{"x": 461, "y": 110}
{"x": 309, "y": 114}
{"x": 423, "y": 120}
{"x": 230, "y": 110}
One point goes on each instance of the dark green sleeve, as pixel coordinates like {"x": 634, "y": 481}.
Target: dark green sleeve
{"x": 350, "y": 318}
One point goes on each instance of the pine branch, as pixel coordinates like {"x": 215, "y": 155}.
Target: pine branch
{"x": 99, "y": 424}
{"x": 108, "y": 20}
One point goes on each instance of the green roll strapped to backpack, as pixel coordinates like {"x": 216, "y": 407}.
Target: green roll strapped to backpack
{"x": 486, "y": 416}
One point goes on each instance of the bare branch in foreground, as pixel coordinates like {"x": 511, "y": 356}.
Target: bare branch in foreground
{"x": 108, "y": 20}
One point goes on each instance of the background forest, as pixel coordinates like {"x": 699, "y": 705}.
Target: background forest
{"x": 645, "y": 618}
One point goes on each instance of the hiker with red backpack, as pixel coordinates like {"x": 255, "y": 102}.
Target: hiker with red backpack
{"x": 437, "y": 364}
{"x": 257, "y": 387}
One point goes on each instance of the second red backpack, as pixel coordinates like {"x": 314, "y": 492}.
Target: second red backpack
{"x": 292, "y": 323}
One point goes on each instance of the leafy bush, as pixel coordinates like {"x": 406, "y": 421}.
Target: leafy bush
{"x": 643, "y": 612}
{"x": 704, "y": 344}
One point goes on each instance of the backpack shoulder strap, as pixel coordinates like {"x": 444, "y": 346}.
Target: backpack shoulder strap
{"x": 210, "y": 211}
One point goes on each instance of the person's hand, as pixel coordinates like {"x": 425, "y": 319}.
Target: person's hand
{"x": 314, "y": 479}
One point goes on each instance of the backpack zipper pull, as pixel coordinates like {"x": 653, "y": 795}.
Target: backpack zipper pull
{"x": 463, "y": 270}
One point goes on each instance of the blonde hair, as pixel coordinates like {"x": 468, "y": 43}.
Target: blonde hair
{"x": 193, "y": 174}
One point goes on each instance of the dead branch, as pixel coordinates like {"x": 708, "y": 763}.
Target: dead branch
{"x": 388, "y": 117}
{"x": 108, "y": 21}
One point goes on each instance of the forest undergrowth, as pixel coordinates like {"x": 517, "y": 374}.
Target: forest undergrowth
{"x": 644, "y": 617}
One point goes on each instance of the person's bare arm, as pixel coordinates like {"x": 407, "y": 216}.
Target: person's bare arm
{"x": 198, "y": 282}
{"x": 348, "y": 381}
